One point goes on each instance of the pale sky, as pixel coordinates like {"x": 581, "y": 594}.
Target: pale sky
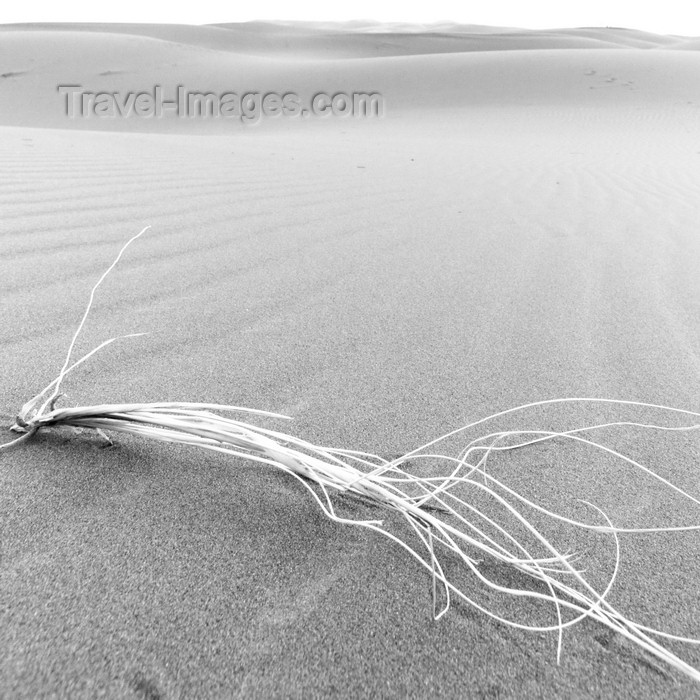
{"x": 669, "y": 17}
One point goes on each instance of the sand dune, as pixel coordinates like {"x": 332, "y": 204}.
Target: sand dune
{"x": 367, "y": 39}
{"x": 520, "y": 225}
{"x": 413, "y": 72}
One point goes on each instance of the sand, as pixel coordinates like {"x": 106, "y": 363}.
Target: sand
{"x": 520, "y": 225}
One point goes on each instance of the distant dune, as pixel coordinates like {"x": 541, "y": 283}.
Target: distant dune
{"x": 443, "y": 68}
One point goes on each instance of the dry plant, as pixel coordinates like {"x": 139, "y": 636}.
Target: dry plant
{"x": 462, "y": 514}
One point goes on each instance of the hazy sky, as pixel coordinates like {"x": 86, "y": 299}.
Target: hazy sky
{"x": 669, "y": 17}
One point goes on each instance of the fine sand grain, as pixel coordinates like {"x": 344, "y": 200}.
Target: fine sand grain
{"x": 522, "y": 224}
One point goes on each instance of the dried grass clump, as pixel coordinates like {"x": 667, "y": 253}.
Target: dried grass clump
{"x": 459, "y": 512}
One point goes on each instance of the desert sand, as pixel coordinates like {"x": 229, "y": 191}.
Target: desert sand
{"x": 520, "y": 224}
